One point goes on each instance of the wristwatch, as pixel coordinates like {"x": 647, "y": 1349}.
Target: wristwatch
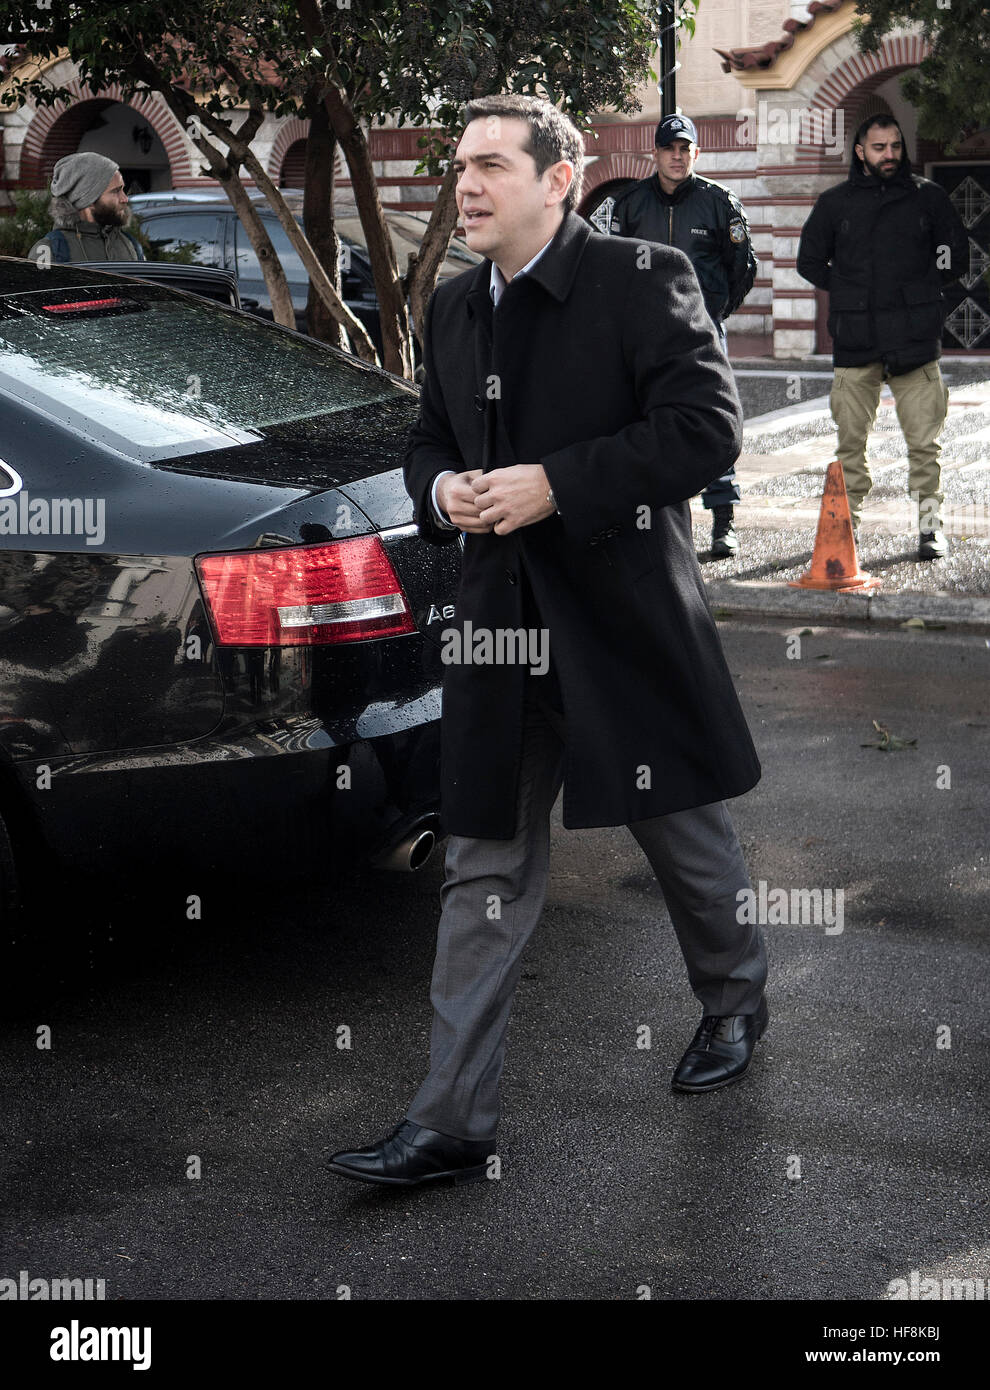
{"x": 552, "y": 500}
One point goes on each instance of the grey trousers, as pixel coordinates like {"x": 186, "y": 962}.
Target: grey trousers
{"x": 492, "y": 898}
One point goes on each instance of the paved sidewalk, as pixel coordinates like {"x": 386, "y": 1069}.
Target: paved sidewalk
{"x": 788, "y": 443}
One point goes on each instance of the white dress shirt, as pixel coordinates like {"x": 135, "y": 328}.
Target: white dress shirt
{"x": 496, "y": 285}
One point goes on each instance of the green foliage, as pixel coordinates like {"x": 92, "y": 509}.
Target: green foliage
{"x": 686, "y": 19}
{"x": 27, "y": 224}
{"x": 950, "y": 88}
{"x": 417, "y": 59}
{"x": 586, "y": 58}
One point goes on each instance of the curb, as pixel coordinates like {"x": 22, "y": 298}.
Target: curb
{"x": 767, "y": 599}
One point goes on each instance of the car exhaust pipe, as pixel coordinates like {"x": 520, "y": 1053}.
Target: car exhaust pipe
{"x": 410, "y": 851}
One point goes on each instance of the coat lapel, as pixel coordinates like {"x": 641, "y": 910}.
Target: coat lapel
{"x": 556, "y": 270}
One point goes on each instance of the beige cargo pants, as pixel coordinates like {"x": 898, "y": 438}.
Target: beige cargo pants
{"x": 921, "y": 398}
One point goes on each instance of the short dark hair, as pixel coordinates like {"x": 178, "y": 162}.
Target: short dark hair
{"x": 552, "y": 135}
{"x": 880, "y": 118}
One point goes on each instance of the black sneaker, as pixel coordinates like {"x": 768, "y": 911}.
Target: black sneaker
{"x": 725, "y": 542}
{"x": 932, "y": 546}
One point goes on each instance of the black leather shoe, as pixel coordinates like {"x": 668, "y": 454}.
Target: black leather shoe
{"x": 410, "y": 1154}
{"x": 932, "y": 546}
{"x": 725, "y": 542}
{"x": 721, "y": 1050}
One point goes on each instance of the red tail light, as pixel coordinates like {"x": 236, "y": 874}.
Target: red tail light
{"x": 345, "y": 591}
{"x": 86, "y": 306}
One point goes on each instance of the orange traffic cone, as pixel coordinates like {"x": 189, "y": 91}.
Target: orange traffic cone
{"x": 834, "y": 564}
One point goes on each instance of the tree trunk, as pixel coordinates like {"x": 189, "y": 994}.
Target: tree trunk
{"x": 243, "y": 152}
{"x": 276, "y": 284}
{"x": 225, "y": 170}
{"x": 424, "y": 265}
{"x": 392, "y": 312}
{"x": 321, "y": 148}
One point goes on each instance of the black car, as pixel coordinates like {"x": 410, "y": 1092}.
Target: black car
{"x": 218, "y": 285}
{"x": 210, "y": 232}
{"x": 219, "y": 627}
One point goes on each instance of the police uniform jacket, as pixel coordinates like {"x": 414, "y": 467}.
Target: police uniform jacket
{"x": 707, "y": 223}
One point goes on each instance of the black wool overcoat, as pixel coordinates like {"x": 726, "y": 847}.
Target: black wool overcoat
{"x": 602, "y": 364}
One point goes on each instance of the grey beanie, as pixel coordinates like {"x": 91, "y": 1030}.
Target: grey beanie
{"x": 81, "y": 178}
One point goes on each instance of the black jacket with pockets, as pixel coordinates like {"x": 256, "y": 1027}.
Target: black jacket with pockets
{"x": 883, "y": 248}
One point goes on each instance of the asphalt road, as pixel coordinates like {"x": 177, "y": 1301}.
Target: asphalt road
{"x": 853, "y": 1153}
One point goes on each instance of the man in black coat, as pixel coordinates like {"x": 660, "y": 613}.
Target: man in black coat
{"x": 574, "y": 399}
{"x": 707, "y": 222}
{"x": 883, "y": 244}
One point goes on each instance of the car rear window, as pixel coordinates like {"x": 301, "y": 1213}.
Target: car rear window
{"x": 155, "y": 376}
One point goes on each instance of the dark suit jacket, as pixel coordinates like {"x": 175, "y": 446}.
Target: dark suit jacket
{"x": 605, "y": 368}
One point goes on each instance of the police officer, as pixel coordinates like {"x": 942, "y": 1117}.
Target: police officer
{"x": 707, "y": 222}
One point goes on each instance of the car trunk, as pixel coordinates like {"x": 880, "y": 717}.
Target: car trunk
{"x": 209, "y": 434}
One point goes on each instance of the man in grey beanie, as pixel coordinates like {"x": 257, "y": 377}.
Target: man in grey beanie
{"x": 89, "y": 208}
